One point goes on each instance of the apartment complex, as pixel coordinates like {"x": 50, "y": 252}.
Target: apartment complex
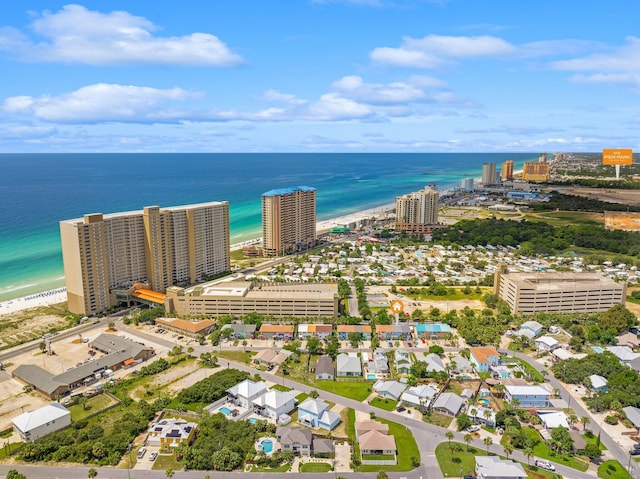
{"x": 239, "y": 298}
{"x": 530, "y": 293}
{"x": 489, "y": 174}
{"x": 288, "y": 220}
{"x": 536, "y": 171}
{"x": 157, "y": 246}
{"x": 507, "y": 170}
{"x": 417, "y": 212}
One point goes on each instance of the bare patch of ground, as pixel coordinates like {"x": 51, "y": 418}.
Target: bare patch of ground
{"x": 30, "y": 324}
{"x": 627, "y": 197}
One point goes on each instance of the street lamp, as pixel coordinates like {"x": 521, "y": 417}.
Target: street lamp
{"x": 129, "y": 463}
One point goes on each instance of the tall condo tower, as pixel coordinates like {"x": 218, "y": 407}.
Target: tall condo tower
{"x": 489, "y": 175}
{"x": 159, "y": 246}
{"x": 417, "y": 211}
{"x": 507, "y": 170}
{"x": 288, "y": 220}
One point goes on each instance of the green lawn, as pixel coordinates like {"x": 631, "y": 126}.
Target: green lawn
{"x": 612, "y": 470}
{"x": 354, "y": 390}
{"x": 564, "y": 218}
{"x": 238, "y": 356}
{"x": 315, "y": 467}
{"x": 386, "y": 404}
{"x": 529, "y": 369}
{"x": 164, "y": 462}
{"x": 283, "y": 468}
{"x": 93, "y": 405}
{"x": 438, "y": 419}
{"x": 301, "y": 397}
{"x": 280, "y": 387}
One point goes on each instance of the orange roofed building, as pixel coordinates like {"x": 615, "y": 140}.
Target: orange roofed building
{"x": 193, "y": 329}
{"x": 484, "y": 357}
{"x": 276, "y": 331}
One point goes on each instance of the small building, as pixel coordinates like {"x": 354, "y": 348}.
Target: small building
{"x": 271, "y": 357}
{"x": 623, "y": 353}
{"x": 389, "y": 389}
{"x": 274, "y": 404}
{"x": 192, "y": 329}
{"x": 530, "y": 329}
{"x": 546, "y": 343}
{"x": 598, "y": 383}
{"x": 402, "y": 361}
{"x": 324, "y": 369}
{"x": 345, "y": 329}
{"x": 276, "y": 331}
{"x": 171, "y": 433}
{"x": 376, "y": 443}
{"x": 348, "y": 365}
{"x": 484, "y": 357}
{"x": 482, "y": 415}
{"x": 633, "y": 415}
{"x": 492, "y": 467}
{"x": 315, "y": 413}
{"x": 432, "y": 331}
{"x": 434, "y": 363}
{"x": 528, "y": 396}
{"x": 553, "y": 419}
{"x": 461, "y": 365}
{"x": 243, "y": 393}
{"x": 241, "y": 331}
{"x": 419, "y": 396}
{"x": 391, "y": 332}
{"x": 449, "y": 404}
{"x": 320, "y": 331}
{"x": 32, "y": 425}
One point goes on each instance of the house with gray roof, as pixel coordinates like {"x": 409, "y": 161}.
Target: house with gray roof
{"x": 295, "y": 439}
{"x": 419, "y": 396}
{"x": 530, "y": 329}
{"x": 598, "y": 383}
{"x": 492, "y": 467}
{"x": 274, "y": 404}
{"x": 633, "y": 415}
{"x": 348, "y": 365}
{"x": 324, "y": 369}
{"x": 243, "y": 393}
{"x": 434, "y": 363}
{"x": 624, "y": 353}
{"x": 240, "y": 331}
{"x": 32, "y": 425}
{"x": 449, "y": 404}
{"x": 389, "y": 389}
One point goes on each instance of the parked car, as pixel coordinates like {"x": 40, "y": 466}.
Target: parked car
{"x": 469, "y": 476}
{"x": 635, "y": 452}
{"x": 473, "y": 428}
{"x": 141, "y": 452}
{"x": 596, "y": 460}
{"x": 153, "y": 455}
{"x": 636, "y": 446}
{"x": 547, "y": 465}
{"x": 401, "y": 408}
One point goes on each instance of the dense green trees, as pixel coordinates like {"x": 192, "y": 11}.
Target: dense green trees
{"x": 212, "y": 388}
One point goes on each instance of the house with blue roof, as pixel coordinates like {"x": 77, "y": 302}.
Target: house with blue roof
{"x": 432, "y": 331}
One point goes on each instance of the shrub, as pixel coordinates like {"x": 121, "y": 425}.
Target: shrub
{"x": 613, "y": 420}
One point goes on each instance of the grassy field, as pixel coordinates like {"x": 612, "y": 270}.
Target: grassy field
{"x": 566, "y": 218}
{"x": 612, "y": 470}
{"x": 315, "y": 467}
{"x": 438, "y": 419}
{"x": 238, "y": 356}
{"x": 457, "y": 296}
{"x": 93, "y": 405}
{"x": 283, "y": 468}
{"x": 386, "y": 404}
{"x": 280, "y": 387}
{"x": 164, "y": 462}
{"x": 529, "y": 369}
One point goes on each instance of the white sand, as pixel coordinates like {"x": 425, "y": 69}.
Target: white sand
{"x": 33, "y": 301}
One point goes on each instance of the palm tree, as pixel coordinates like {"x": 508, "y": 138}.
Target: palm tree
{"x": 573, "y": 419}
{"x": 487, "y": 442}
{"x": 487, "y": 414}
{"x": 449, "y": 436}
{"x": 508, "y": 449}
{"x": 169, "y": 473}
{"x": 91, "y": 473}
{"x": 468, "y": 438}
{"x": 528, "y": 451}
{"x": 515, "y": 402}
{"x": 585, "y": 422}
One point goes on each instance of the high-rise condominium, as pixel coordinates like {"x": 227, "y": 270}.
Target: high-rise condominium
{"x": 507, "y": 170}
{"x": 415, "y": 211}
{"x": 489, "y": 175}
{"x": 288, "y": 220}
{"x": 159, "y": 246}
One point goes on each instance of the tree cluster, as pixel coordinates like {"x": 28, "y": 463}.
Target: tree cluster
{"x": 212, "y": 388}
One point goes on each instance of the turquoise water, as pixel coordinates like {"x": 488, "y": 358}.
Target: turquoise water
{"x": 225, "y": 410}
{"x": 484, "y": 401}
{"x": 253, "y": 420}
{"x": 597, "y": 349}
{"x": 40, "y": 190}
{"x": 267, "y": 445}
{"x": 371, "y": 376}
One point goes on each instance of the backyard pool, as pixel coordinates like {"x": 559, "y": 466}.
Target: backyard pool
{"x": 420, "y": 255}
{"x": 372, "y": 376}
{"x": 484, "y": 402}
{"x": 225, "y": 410}
{"x": 253, "y": 420}
{"x": 266, "y": 445}
{"x": 597, "y": 349}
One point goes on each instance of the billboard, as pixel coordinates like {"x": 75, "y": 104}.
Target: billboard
{"x": 617, "y": 157}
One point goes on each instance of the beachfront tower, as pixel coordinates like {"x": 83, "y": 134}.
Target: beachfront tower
{"x": 288, "y": 220}
{"x": 489, "y": 174}
{"x": 507, "y": 170}
{"x": 417, "y": 212}
{"x": 159, "y": 247}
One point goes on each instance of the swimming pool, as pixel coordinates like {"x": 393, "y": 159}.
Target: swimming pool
{"x": 484, "y": 401}
{"x": 253, "y": 420}
{"x": 267, "y": 445}
{"x": 504, "y": 374}
{"x": 225, "y": 410}
{"x": 597, "y": 349}
{"x": 372, "y": 376}
{"x": 420, "y": 255}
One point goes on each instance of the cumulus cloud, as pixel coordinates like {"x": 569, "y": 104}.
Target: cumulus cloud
{"x": 75, "y": 34}
{"x": 433, "y": 51}
{"x": 100, "y": 103}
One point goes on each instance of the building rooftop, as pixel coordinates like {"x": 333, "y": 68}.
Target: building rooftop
{"x": 30, "y": 420}
{"x": 288, "y": 191}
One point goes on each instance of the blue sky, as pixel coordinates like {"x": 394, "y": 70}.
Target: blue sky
{"x": 319, "y": 76}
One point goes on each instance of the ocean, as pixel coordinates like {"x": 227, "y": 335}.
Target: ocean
{"x": 39, "y": 190}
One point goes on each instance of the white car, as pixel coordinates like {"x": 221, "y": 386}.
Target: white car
{"x": 545, "y": 465}
{"x": 474, "y": 428}
{"x": 153, "y": 456}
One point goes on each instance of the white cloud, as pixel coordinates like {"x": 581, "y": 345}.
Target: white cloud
{"x": 622, "y": 79}
{"x": 331, "y": 107}
{"x": 397, "y": 92}
{"x": 100, "y": 103}
{"x": 433, "y": 51}
{"x": 276, "y": 96}
{"x": 77, "y": 35}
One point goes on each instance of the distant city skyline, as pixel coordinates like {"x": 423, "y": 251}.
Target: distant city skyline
{"x": 319, "y": 76}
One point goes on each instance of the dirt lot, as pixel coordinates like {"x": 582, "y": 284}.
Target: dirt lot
{"x": 28, "y": 325}
{"x": 627, "y": 197}
{"x": 426, "y": 305}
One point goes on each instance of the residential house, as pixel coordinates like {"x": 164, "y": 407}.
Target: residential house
{"x": 324, "y": 369}
{"x": 419, "y": 396}
{"x": 379, "y": 363}
{"x": 320, "y": 331}
{"x": 389, "y": 389}
{"x": 482, "y": 415}
{"x": 402, "y": 361}
{"x": 295, "y": 439}
{"x": 271, "y": 357}
{"x": 363, "y": 329}
{"x": 484, "y": 357}
{"x": 192, "y": 329}
{"x": 315, "y": 413}
{"x": 628, "y": 339}
{"x": 434, "y": 363}
{"x": 633, "y": 415}
{"x": 241, "y": 331}
{"x": 546, "y": 343}
{"x": 376, "y": 443}
{"x": 37, "y": 423}
{"x": 460, "y": 365}
{"x": 243, "y": 394}
{"x": 276, "y": 331}
{"x": 528, "y": 396}
{"x": 171, "y": 433}
{"x": 348, "y": 365}
{"x": 364, "y": 426}
{"x": 492, "y": 467}
{"x": 432, "y": 331}
{"x": 624, "y": 353}
{"x": 274, "y": 404}
{"x": 598, "y": 383}
{"x": 530, "y": 329}
{"x": 391, "y": 332}
{"x": 448, "y": 404}
{"x": 553, "y": 419}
